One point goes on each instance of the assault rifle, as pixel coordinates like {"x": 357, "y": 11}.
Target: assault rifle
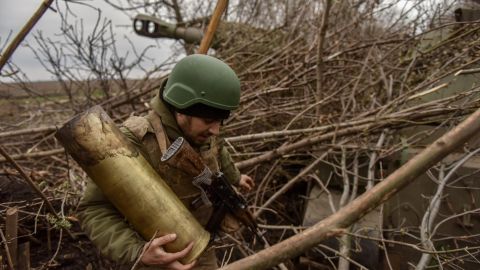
{"x": 215, "y": 189}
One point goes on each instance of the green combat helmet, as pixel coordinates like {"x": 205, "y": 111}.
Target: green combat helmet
{"x": 202, "y": 80}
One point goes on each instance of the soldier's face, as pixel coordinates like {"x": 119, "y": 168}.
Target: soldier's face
{"x": 198, "y": 130}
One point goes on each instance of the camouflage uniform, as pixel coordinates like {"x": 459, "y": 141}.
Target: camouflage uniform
{"x": 109, "y": 230}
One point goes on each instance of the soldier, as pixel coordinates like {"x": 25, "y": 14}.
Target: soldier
{"x": 198, "y": 95}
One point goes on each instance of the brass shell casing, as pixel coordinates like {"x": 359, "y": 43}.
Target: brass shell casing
{"x": 130, "y": 182}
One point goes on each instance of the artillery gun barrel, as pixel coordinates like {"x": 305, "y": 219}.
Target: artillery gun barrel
{"x": 153, "y": 27}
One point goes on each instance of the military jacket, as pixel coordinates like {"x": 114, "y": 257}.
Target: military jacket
{"x": 106, "y": 227}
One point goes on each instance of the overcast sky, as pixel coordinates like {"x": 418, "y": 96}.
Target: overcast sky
{"x": 14, "y": 14}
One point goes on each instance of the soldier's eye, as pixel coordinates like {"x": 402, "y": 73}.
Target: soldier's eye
{"x": 209, "y": 121}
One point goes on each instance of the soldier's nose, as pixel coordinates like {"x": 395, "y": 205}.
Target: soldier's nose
{"x": 214, "y": 128}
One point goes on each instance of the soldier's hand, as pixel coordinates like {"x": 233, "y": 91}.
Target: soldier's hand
{"x": 246, "y": 182}
{"x": 155, "y": 254}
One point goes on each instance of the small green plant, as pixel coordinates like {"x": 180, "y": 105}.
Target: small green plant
{"x": 58, "y": 223}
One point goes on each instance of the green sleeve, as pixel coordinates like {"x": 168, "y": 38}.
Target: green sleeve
{"x": 227, "y": 166}
{"x": 135, "y": 141}
{"x": 107, "y": 228}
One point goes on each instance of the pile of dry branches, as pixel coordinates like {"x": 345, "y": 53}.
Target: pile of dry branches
{"x": 326, "y": 82}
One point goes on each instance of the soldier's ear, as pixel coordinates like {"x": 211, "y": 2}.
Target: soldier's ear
{"x": 178, "y": 116}
{"x": 182, "y": 119}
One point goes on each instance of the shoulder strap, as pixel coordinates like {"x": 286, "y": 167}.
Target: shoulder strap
{"x": 160, "y": 134}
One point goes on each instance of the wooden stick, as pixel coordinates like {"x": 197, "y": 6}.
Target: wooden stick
{"x": 24, "y": 256}
{"x": 19, "y": 132}
{"x": 35, "y": 154}
{"x": 11, "y": 233}
{"x": 212, "y": 26}
{"x": 24, "y": 32}
{"x": 321, "y": 40}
